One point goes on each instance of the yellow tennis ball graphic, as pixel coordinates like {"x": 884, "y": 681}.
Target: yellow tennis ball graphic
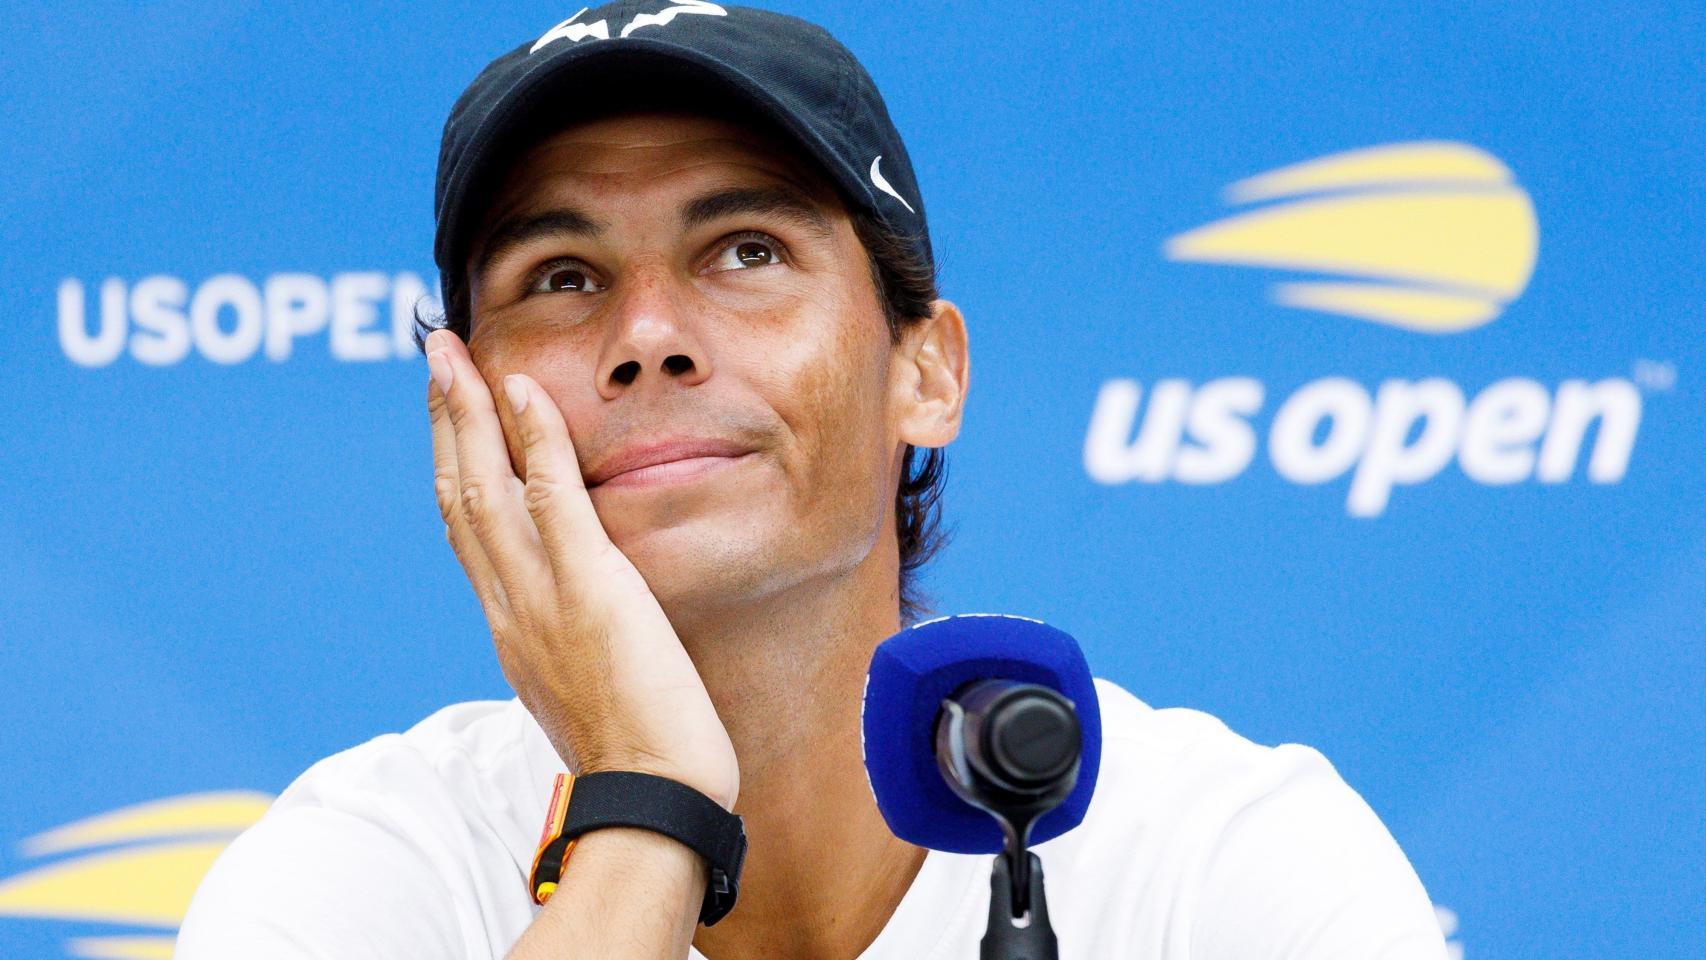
{"x": 1434, "y": 236}
{"x": 137, "y": 866}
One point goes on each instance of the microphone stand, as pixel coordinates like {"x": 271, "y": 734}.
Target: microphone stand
{"x": 1018, "y": 909}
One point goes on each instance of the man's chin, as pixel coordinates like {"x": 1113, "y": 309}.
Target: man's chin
{"x": 702, "y": 561}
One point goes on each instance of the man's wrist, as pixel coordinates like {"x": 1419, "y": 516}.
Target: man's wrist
{"x": 651, "y": 854}
{"x": 622, "y": 866}
{"x": 591, "y": 802}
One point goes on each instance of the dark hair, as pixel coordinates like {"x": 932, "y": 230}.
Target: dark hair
{"x": 906, "y": 287}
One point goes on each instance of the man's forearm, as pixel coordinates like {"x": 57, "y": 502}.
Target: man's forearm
{"x": 624, "y": 893}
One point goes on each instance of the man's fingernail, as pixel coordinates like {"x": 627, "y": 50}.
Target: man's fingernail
{"x": 516, "y": 388}
{"x": 439, "y": 365}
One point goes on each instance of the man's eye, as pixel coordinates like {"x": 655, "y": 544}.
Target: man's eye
{"x": 564, "y": 277}
{"x": 744, "y": 252}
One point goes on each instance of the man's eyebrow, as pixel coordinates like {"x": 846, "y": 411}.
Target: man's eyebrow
{"x": 780, "y": 201}
{"x": 516, "y": 230}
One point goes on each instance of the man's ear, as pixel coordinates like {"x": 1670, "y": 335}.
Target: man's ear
{"x": 932, "y": 372}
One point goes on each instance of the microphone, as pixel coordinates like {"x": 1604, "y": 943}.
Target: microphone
{"x": 982, "y": 735}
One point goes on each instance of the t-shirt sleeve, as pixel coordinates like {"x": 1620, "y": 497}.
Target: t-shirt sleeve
{"x": 1306, "y": 871}
{"x": 310, "y": 883}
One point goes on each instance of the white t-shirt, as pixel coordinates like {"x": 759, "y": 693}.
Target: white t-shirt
{"x": 1198, "y": 844}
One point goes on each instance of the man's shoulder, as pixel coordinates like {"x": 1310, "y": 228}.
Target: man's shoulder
{"x": 1197, "y": 835}
{"x": 409, "y": 839}
{"x": 457, "y": 790}
{"x": 457, "y": 745}
{"x": 1184, "y": 741}
{"x": 1174, "y": 772}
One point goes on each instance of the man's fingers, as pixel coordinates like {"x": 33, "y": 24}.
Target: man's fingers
{"x": 447, "y": 487}
{"x": 446, "y": 483}
{"x": 488, "y": 491}
{"x": 555, "y": 493}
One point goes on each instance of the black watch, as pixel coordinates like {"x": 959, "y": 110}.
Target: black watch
{"x": 580, "y": 804}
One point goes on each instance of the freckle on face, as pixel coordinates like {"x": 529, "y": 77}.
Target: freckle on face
{"x": 801, "y": 372}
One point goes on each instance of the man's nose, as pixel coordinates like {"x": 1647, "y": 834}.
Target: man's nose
{"x": 651, "y": 340}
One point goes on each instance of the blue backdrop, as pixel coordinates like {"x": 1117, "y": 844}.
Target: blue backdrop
{"x": 1396, "y": 452}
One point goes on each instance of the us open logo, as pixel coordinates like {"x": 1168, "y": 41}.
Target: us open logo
{"x": 1427, "y": 237}
{"x": 163, "y": 320}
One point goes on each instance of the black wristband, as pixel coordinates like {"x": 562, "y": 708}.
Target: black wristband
{"x": 659, "y": 804}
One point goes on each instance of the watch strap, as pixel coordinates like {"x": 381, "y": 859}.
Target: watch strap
{"x": 628, "y": 799}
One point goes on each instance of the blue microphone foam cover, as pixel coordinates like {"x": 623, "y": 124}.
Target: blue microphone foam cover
{"x": 913, "y": 671}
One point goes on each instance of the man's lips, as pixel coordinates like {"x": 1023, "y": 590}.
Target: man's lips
{"x": 665, "y": 460}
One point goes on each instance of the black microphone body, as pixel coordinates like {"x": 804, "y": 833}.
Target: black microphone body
{"x": 1012, "y": 750}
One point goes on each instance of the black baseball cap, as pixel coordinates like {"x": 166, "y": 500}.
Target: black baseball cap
{"x": 790, "y": 73}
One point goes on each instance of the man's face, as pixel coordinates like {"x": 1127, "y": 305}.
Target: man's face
{"x": 695, "y": 300}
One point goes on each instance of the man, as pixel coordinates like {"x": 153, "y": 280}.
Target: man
{"x": 683, "y": 422}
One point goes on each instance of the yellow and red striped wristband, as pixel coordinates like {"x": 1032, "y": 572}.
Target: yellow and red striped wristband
{"x": 554, "y": 848}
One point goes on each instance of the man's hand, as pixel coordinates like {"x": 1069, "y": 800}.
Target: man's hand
{"x": 579, "y": 635}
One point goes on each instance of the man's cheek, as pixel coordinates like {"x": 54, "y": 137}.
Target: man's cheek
{"x": 845, "y": 456}
{"x": 559, "y": 364}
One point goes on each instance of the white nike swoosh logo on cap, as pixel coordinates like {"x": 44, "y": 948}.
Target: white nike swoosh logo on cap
{"x": 882, "y": 184}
